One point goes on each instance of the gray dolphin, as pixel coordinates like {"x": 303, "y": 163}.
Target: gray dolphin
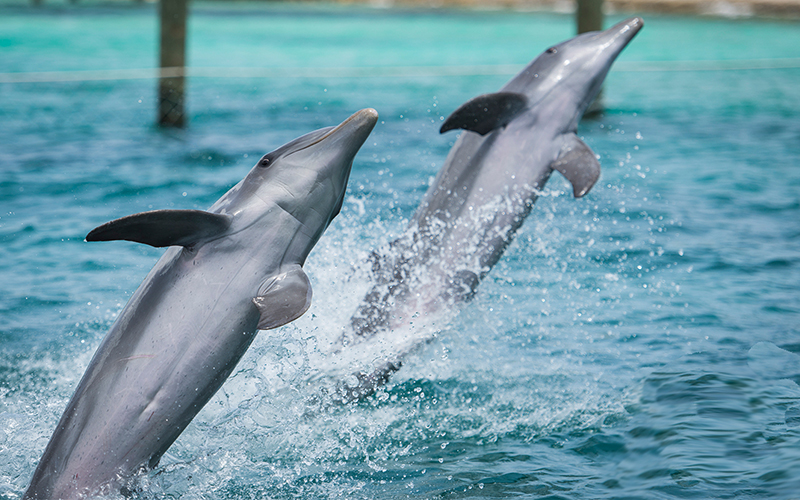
{"x": 229, "y": 271}
{"x": 513, "y": 140}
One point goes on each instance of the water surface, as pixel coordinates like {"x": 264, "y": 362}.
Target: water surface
{"x": 641, "y": 342}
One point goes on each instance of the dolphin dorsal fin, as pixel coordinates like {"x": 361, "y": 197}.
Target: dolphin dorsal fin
{"x": 163, "y": 228}
{"x": 283, "y": 298}
{"x": 578, "y": 163}
{"x": 486, "y": 112}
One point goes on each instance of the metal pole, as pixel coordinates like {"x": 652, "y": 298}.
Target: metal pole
{"x": 172, "y": 55}
{"x": 589, "y": 17}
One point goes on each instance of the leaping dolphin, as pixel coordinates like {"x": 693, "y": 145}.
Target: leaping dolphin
{"x": 513, "y": 140}
{"x": 229, "y": 271}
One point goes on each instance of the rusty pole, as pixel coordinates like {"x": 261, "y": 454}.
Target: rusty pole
{"x": 589, "y": 17}
{"x": 171, "y": 100}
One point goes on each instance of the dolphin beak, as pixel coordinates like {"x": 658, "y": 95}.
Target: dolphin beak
{"x": 332, "y": 154}
{"x": 348, "y": 137}
{"x": 622, "y": 33}
{"x": 333, "y": 151}
{"x": 629, "y": 26}
{"x": 344, "y": 141}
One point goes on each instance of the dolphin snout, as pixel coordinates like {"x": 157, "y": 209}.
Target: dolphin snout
{"x": 359, "y": 125}
{"x": 627, "y": 28}
{"x": 617, "y": 37}
{"x": 351, "y": 134}
{"x": 634, "y": 24}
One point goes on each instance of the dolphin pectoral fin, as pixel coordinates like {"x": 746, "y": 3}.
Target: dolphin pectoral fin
{"x": 463, "y": 285}
{"x": 578, "y": 164}
{"x": 486, "y": 112}
{"x": 283, "y": 298}
{"x": 163, "y": 228}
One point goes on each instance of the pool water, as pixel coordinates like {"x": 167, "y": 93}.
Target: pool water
{"x": 641, "y": 342}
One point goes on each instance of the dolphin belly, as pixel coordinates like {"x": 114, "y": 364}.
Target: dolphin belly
{"x": 155, "y": 370}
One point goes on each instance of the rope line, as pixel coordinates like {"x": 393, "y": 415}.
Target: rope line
{"x": 377, "y": 71}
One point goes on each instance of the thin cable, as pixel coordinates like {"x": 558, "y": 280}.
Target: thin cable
{"x": 377, "y": 71}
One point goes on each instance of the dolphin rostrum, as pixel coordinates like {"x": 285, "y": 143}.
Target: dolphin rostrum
{"x": 513, "y": 140}
{"x": 229, "y": 271}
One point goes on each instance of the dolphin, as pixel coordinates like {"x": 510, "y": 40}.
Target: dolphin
{"x": 512, "y": 142}
{"x": 229, "y": 271}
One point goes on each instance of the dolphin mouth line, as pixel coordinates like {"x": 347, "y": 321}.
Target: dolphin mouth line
{"x": 328, "y": 134}
{"x": 333, "y": 130}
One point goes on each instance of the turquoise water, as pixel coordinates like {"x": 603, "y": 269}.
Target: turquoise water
{"x": 642, "y": 342}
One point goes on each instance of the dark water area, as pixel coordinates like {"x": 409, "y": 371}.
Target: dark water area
{"x": 641, "y": 342}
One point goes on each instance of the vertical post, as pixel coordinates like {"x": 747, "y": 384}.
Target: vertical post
{"x": 173, "y": 15}
{"x": 589, "y": 17}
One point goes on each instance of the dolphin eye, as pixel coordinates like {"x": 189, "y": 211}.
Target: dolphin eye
{"x": 264, "y": 162}
{"x": 552, "y": 50}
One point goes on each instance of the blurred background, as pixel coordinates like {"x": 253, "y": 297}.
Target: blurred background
{"x": 641, "y": 342}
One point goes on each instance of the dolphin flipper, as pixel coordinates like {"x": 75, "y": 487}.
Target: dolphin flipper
{"x": 163, "y": 228}
{"x": 578, "y": 164}
{"x": 486, "y": 112}
{"x": 283, "y": 298}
